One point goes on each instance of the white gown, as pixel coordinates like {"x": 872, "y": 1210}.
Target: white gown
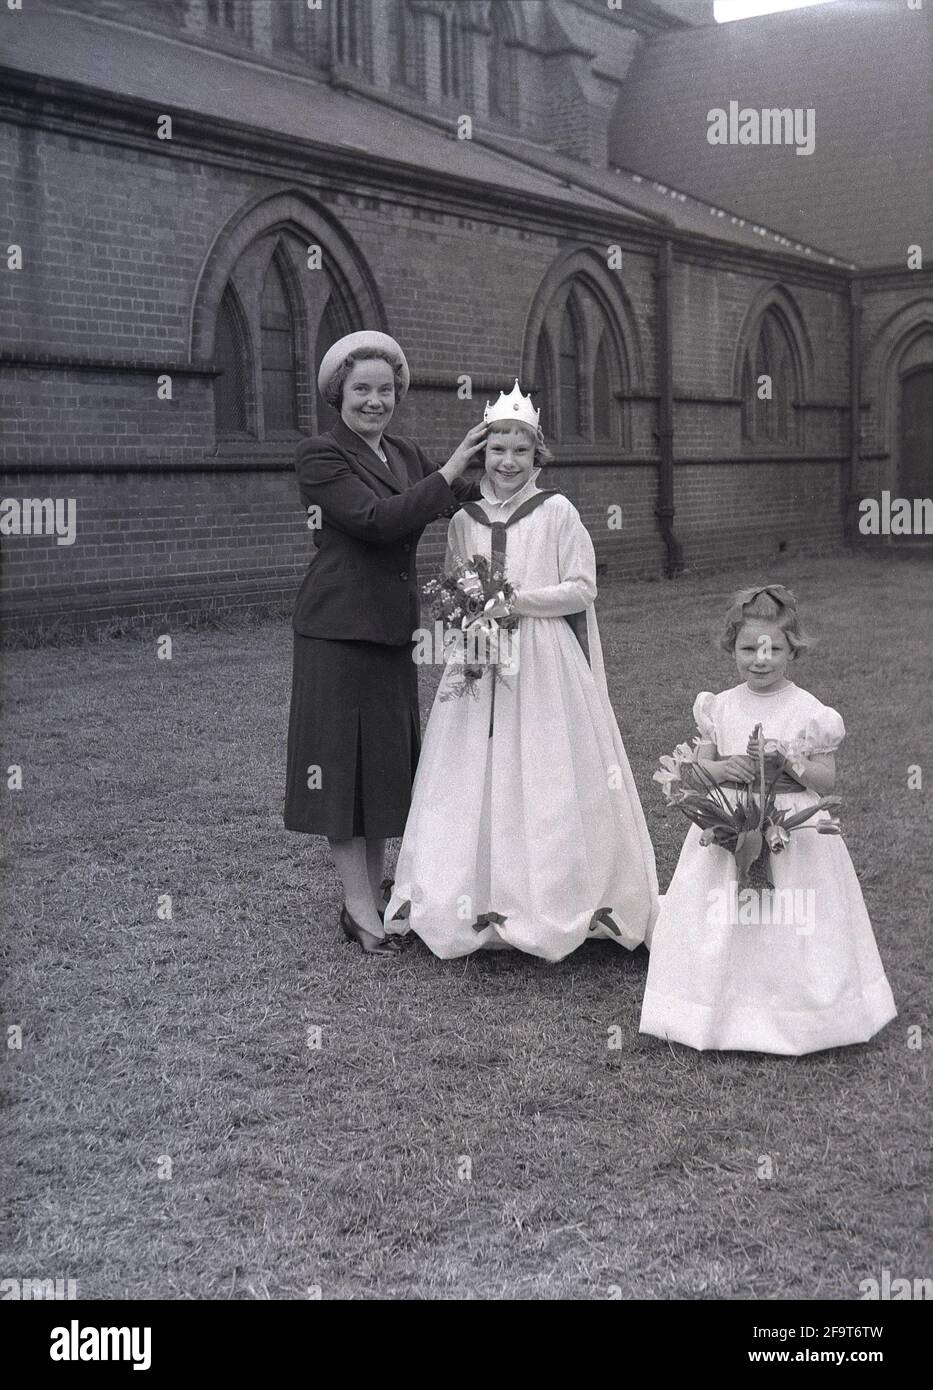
{"x": 533, "y": 837}
{"x": 815, "y": 981}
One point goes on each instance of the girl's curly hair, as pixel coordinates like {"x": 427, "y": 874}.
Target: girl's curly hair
{"x": 770, "y": 603}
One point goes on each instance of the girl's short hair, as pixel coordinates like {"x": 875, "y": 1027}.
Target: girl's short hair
{"x": 771, "y": 603}
{"x": 333, "y": 391}
{"x": 543, "y": 454}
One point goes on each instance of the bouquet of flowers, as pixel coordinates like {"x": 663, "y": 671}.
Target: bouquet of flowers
{"x": 751, "y": 828}
{"x": 462, "y": 601}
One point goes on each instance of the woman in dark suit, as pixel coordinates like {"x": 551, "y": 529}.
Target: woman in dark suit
{"x": 354, "y": 731}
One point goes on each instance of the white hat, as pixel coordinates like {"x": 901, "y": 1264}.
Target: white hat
{"x": 335, "y": 356}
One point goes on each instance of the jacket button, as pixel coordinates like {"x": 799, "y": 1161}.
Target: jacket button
{"x": 406, "y": 547}
{"x": 404, "y": 574}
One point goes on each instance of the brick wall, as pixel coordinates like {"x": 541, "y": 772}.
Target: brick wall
{"x": 115, "y": 242}
{"x": 151, "y": 544}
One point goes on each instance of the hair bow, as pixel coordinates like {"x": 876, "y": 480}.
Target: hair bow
{"x": 777, "y": 592}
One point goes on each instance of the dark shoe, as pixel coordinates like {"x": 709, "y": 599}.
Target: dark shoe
{"x": 370, "y": 945}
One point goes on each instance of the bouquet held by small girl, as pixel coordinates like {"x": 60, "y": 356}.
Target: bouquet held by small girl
{"x": 763, "y": 942}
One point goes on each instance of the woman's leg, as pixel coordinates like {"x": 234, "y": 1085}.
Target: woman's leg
{"x": 375, "y": 867}
{"x": 352, "y": 860}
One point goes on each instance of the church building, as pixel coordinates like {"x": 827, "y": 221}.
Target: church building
{"x": 704, "y": 248}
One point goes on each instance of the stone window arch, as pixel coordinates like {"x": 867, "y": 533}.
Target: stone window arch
{"x": 582, "y": 354}
{"x": 773, "y": 344}
{"x": 771, "y": 421}
{"x": 265, "y": 313}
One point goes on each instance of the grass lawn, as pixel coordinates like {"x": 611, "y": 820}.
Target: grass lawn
{"x": 180, "y": 1047}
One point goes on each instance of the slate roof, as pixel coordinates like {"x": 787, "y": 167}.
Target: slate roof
{"x": 864, "y": 66}
{"x": 180, "y": 76}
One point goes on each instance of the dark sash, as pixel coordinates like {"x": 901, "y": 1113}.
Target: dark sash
{"x": 576, "y": 621}
{"x": 783, "y": 786}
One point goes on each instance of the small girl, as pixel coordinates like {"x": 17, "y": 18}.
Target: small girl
{"x": 525, "y": 827}
{"x": 717, "y": 979}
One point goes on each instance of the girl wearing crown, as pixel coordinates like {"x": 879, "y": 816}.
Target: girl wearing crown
{"x": 793, "y": 981}
{"x": 525, "y": 828}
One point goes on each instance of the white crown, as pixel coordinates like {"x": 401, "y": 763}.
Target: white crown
{"x": 513, "y": 406}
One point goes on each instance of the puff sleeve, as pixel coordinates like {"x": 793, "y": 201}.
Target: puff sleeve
{"x": 703, "y": 715}
{"x": 576, "y": 565}
{"x": 822, "y": 733}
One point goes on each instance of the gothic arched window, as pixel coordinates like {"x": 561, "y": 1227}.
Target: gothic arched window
{"x": 454, "y": 54}
{"x": 501, "y": 64}
{"x": 544, "y": 371}
{"x": 602, "y": 389}
{"x": 230, "y": 356}
{"x": 568, "y": 370}
{"x": 770, "y": 384}
{"x": 349, "y": 32}
{"x": 335, "y": 323}
{"x": 579, "y": 366}
{"x": 279, "y": 386}
{"x": 272, "y": 326}
{"x": 450, "y": 77}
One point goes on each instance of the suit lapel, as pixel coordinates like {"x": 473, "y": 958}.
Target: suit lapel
{"x": 397, "y": 461}
{"x": 364, "y": 455}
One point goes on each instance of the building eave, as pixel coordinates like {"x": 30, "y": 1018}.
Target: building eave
{"x": 54, "y": 104}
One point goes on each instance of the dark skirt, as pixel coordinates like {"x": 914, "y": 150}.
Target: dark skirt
{"x": 354, "y": 734}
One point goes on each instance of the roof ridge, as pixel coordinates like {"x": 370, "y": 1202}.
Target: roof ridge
{"x": 737, "y": 218}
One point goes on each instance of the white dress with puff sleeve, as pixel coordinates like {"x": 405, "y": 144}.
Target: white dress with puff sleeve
{"x": 810, "y": 978}
{"x": 534, "y": 837}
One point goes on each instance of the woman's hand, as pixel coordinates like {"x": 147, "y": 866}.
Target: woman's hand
{"x": 462, "y": 456}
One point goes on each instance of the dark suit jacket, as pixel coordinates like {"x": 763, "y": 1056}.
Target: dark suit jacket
{"x": 362, "y": 585}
